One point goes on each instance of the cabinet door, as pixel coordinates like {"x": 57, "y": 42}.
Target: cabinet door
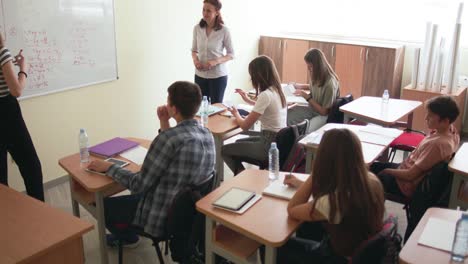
{"x": 349, "y": 66}
{"x": 379, "y": 68}
{"x": 329, "y": 49}
{"x": 294, "y": 68}
{"x": 273, "y": 48}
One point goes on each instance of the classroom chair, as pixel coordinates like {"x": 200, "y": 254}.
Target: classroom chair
{"x": 185, "y": 225}
{"x": 432, "y": 191}
{"x": 335, "y": 115}
{"x": 407, "y": 141}
{"x": 383, "y": 247}
{"x": 285, "y": 140}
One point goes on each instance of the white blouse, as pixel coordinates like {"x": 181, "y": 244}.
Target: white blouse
{"x": 212, "y": 47}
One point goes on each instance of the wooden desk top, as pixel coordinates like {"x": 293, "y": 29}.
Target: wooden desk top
{"x": 371, "y": 151}
{"x": 221, "y": 125}
{"x": 459, "y": 163}
{"x": 372, "y": 108}
{"x": 93, "y": 182}
{"x": 29, "y": 228}
{"x": 412, "y": 252}
{"x": 266, "y": 221}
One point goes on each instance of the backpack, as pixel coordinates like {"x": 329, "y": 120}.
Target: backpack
{"x": 291, "y": 153}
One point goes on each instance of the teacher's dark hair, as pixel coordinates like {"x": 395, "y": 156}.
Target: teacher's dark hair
{"x": 186, "y": 97}
{"x": 219, "y": 19}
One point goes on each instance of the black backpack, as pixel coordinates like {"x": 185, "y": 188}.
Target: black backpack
{"x": 291, "y": 153}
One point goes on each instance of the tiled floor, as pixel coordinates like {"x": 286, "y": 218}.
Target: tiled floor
{"x": 59, "y": 197}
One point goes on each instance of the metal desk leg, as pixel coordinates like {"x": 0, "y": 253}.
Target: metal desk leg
{"x": 453, "y": 202}
{"x": 309, "y": 155}
{"x": 409, "y": 123}
{"x": 209, "y": 255}
{"x": 346, "y": 118}
{"x": 101, "y": 227}
{"x": 270, "y": 255}
{"x": 219, "y": 166}
{"x": 75, "y": 205}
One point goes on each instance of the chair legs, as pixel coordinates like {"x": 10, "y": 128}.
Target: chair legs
{"x": 158, "y": 251}
{"x": 120, "y": 252}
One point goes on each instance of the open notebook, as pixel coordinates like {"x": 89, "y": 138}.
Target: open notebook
{"x": 288, "y": 90}
{"x": 278, "y": 189}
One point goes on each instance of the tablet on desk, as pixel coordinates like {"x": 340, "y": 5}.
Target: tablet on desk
{"x": 234, "y": 199}
{"x": 120, "y": 163}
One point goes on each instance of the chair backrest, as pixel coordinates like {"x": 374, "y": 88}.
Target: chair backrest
{"x": 184, "y": 225}
{"x": 335, "y": 115}
{"x": 432, "y": 191}
{"x": 287, "y": 137}
{"x": 383, "y": 247}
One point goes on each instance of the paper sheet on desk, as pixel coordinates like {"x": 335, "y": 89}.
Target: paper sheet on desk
{"x": 288, "y": 90}
{"x": 438, "y": 234}
{"x": 136, "y": 155}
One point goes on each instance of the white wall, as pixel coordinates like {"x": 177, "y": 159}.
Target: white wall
{"x": 153, "y": 43}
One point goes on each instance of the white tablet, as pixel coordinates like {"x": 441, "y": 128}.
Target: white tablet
{"x": 234, "y": 199}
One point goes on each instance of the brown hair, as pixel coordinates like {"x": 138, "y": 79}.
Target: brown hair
{"x": 444, "y": 106}
{"x": 321, "y": 69}
{"x": 186, "y": 97}
{"x": 264, "y": 75}
{"x": 339, "y": 171}
{"x": 218, "y": 20}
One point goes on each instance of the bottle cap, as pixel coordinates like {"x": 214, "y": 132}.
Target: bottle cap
{"x": 82, "y": 130}
{"x": 273, "y": 144}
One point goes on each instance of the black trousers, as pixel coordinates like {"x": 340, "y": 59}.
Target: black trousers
{"x": 212, "y": 88}
{"x": 15, "y": 139}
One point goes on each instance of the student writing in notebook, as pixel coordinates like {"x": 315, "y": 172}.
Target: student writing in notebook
{"x": 347, "y": 206}
{"x": 269, "y": 108}
{"x": 177, "y": 157}
{"x": 320, "y": 93}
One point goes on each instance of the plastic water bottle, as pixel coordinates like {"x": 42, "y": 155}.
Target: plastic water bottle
{"x": 204, "y": 111}
{"x": 460, "y": 241}
{"x": 83, "y": 142}
{"x": 273, "y": 162}
{"x": 385, "y": 96}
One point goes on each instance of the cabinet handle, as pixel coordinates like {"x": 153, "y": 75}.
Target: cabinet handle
{"x": 367, "y": 54}
{"x": 284, "y": 45}
{"x": 360, "y": 54}
{"x": 280, "y": 44}
{"x": 333, "y": 51}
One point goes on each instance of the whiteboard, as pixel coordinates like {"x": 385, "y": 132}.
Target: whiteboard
{"x": 67, "y": 43}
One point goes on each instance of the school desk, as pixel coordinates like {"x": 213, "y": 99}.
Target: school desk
{"x": 239, "y": 236}
{"x": 372, "y": 110}
{"x": 34, "y": 232}
{"x": 459, "y": 166}
{"x": 413, "y": 252}
{"x": 222, "y": 127}
{"x": 374, "y": 140}
{"x": 89, "y": 189}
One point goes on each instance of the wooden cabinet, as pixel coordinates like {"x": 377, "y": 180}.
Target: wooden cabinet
{"x": 363, "y": 68}
{"x": 288, "y": 55}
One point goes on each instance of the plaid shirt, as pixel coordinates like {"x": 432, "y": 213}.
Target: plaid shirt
{"x": 178, "y": 156}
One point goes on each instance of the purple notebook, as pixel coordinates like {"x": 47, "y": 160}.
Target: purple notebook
{"x": 112, "y": 147}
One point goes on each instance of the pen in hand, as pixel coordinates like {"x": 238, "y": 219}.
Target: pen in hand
{"x": 289, "y": 176}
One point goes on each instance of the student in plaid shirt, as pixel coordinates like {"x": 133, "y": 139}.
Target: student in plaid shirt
{"x": 178, "y": 156}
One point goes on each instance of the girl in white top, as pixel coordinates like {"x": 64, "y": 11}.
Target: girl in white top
{"x": 269, "y": 108}
{"x": 210, "y": 38}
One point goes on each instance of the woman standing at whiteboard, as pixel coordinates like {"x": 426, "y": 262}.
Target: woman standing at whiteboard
{"x": 14, "y": 135}
{"x": 210, "y": 38}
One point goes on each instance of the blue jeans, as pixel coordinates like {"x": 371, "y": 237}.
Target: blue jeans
{"x": 212, "y": 88}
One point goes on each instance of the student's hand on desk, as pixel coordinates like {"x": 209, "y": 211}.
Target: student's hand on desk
{"x": 302, "y": 93}
{"x": 233, "y": 111}
{"x": 292, "y": 181}
{"x": 162, "y": 113}
{"x": 99, "y": 165}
